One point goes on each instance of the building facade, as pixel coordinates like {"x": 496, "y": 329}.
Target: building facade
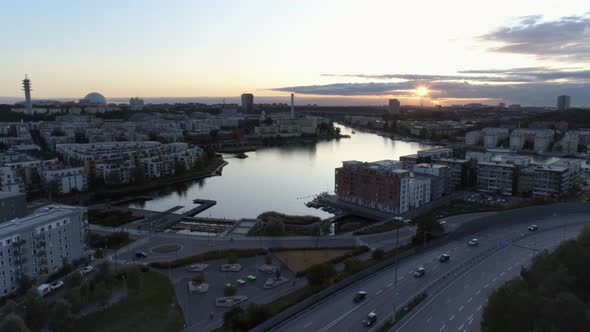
{"x": 12, "y": 205}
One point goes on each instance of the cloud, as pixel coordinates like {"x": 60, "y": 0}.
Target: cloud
{"x": 433, "y": 77}
{"x": 565, "y": 39}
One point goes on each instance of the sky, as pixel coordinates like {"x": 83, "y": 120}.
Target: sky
{"x": 329, "y": 52}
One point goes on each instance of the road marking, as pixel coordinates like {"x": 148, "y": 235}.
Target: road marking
{"x": 470, "y": 317}
{"x": 479, "y": 308}
{"x": 486, "y": 286}
{"x": 467, "y": 285}
{"x": 334, "y": 322}
{"x": 470, "y": 321}
{"x": 448, "y": 301}
{"x": 479, "y": 291}
{"x": 461, "y": 327}
{"x": 389, "y": 285}
{"x": 510, "y": 268}
{"x": 493, "y": 280}
{"x": 461, "y": 308}
{"x": 400, "y": 278}
{"x": 306, "y": 325}
{"x": 451, "y": 318}
{"x": 503, "y": 273}
{"x": 379, "y": 291}
{"x": 469, "y": 299}
{"x": 443, "y": 327}
{"x": 429, "y": 319}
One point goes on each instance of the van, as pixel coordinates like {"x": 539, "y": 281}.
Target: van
{"x": 44, "y": 289}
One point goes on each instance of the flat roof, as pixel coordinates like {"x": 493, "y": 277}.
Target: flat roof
{"x": 39, "y": 216}
{"x": 8, "y": 194}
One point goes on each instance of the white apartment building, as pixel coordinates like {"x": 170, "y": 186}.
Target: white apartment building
{"x": 18, "y": 175}
{"x": 67, "y": 179}
{"x": 418, "y": 191}
{"x": 474, "y": 137}
{"x": 478, "y": 156}
{"x": 436, "y": 153}
{"x": 493, "y": 136}
{"x": 496, "y": 177}
{"x": 538, "y": 139}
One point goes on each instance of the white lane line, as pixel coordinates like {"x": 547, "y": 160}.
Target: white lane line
{"x": 470, "y": 317}
{"x": 479, "y": 308}
{"x": 334, "y": 322}
{"x": 306, "y": 325}
{"x": 479, "y": 291}
{"x": 503, "y": 273}
{"x": 429, "y": 319}
{"x": 451, "y": 318}
{"x": 379, "y": 291}
{"x": 486, "y": 286}
{"x": 389, "y": 285}
{"x": 469, "y": 299}
{"x": 400, "y": 278}
{"x": 509, "y": 268}
{"x": 493, "y": 280}
{"x": 461, "y": 327}
{"x": 461, "y": 308}
{"x": 443, "y": 327}
{"x": 448, "y": 301}
{"x": 470, "y": 321}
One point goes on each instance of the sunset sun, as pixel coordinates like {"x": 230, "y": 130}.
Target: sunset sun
{"x": 421, "y": 91}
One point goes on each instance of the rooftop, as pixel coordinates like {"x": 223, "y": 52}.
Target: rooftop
{"x": 39, "y": 216}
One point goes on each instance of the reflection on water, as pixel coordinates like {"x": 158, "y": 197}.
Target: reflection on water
{"x": 280, "y": 178}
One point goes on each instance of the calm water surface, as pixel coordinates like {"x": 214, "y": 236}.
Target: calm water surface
{"x": 282, "y": 178}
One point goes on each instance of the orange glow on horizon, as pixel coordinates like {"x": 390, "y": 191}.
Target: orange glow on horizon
{"x": 421, "y": 91}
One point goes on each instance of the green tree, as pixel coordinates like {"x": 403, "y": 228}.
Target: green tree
{"x": 232, "y": 259}
{"x": 61, "y": 317}
{"x": 9, "y": 307}
{"x": 138, "y": 175}
{"x": 199, "y": 278}
{"x": 36, "y": 310}
{"x": 378, "y": 254}
{"x": 353, "y": 265}
{"x": 233, "y": 318}
{"x": 102, "y": 294}
{"x": 74, "y": 297}
{"x": 24, "y": 284}
{"x": 268, "y": 259}
{"x": 104, "y": 274}
{"x": 229, "y": 290}
{"x": 73, "y": 280}
{"x": 320, "y": 274}
{"x": 133, "y": 278}
{"x": 179, "y": 167}
{"x": 13, "y": 323}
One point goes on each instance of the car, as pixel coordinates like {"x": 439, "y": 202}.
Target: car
{"x": 241, "y": 281}
{"x": 56, "y": 285}
{"x": 44, "y": 289}
{"x": 444, "y": 257}
{"x": 473, "y": 242}
{"x": 533, "y": 228}
{"x": 359, "y": 296}
{"x": 419, "y": 272}
{"x": 87, "y": 269}
{"x": 251, "y": 277}
{"x": 371, "y": 319}
{"x": 141, "y": 254}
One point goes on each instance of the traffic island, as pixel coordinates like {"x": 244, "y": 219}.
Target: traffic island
{"x": 229, "y": 301}
{"x": 231, "y": 267}
{"x": 202, "y": 288}
{"x": 199, "y": 267}
{"x": 268, "y": 269}
{"x": 275, "y": 282}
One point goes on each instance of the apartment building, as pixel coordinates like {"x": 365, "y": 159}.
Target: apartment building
{"x": 24, "y": 174}
{"x": 65, "y": 179}
{"x": 435, "y": 153}
{"x": 493, "y": 136}
{"x": 381, "y": 185}
{"x": 497, "y": 177}
{"x": 440, "y": 178}
{"x": 12, "y": 205}
{"x": 474, "y": 137}
{"x": 35, "y": 245}
{"x": 537, "y": 140}
{"x": 461, "y": 171}
{"x": 418, "y": 191}
{"x": 478, "y": 156}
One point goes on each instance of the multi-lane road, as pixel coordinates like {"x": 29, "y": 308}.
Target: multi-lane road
{"x": 456, "y": 307}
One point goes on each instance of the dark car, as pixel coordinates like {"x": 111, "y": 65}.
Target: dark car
{"x": 140, "y": 254}
{"x": 444, "y": 257}
{"x": 419, "y": 272}
{"x": 358, "y": 297}
{"x": 371, "y": 319}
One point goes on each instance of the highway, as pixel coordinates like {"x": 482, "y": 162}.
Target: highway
{"x": 460, "y": 307}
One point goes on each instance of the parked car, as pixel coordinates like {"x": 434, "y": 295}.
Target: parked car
{"x": 241, "y": 281}
{"x": 371, "y": 319}
{"x": 533, "y": 228}
{"x": 359, "y": 296}
{"x": 44, "y": 289}
{"x": 56, "y": 285}
{"x": 251, "y": 277}
{"x": 444, "y": 257}
{"x": 141, "y": 254}
{"x": 87, "y": 269}
{"x": 419, "y": 272}
{"x": 473, "y": 242}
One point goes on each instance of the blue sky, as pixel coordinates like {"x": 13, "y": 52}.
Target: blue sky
{"x": 330, "y": 51}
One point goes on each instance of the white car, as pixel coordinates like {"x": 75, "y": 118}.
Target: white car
{"x": 56, "y": 285}
{"x": 87, "y": 269}
{"x": 533, "y": 228}
{"x": 419, "y": 272}
{"x": 473, "y": 242}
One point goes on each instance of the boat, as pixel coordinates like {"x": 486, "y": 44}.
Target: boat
{"x": 241, "y": 155}
{"x": 354, "y": 132}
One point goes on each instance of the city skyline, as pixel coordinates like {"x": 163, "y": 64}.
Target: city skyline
{"x": 331, "y": 53}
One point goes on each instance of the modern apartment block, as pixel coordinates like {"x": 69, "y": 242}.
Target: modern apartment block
{"x": 381, "y": 185}
{"x": 418, "y": 191}
{"x": 478, "y": 156}
{"x": 461, "y": 171}
{"x": 435, "y": 153}
{"x": 537, "y": 140}
{"x": 12, "y": 205}
{"x": 440, "y": 178}
{"x": 493, "y": 136}
{"x": 35, "y": 245}
{"x": 497, "y": 177}
{"x": 65, "y": 179}
{"x": 474, "y": 137}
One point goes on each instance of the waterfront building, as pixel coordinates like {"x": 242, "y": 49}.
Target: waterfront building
{"x": 537, "y": 140}
{"x": 418, "y": 191}
{"x": 462, "y": 171}
{"x": 381, "y": 185}
{"x": 23, "y": 174}
{"x": 478, "y": 156}
{"x": 493, "y": 136}
{"x": 435, "y": 153}
{"x": 247, "y": 103}
{"x": 563, "y": 103}
{"x": 394, "y": 106}
{"x": 474, "y": 137}
{"x": 409, "y": 161}
{"x": 440, "y": 178}
{"x": 36, "y": 245}
{"x": 12, "y": 205}
{"x": 497, "y": 177}
{"x": 65, "y": 180}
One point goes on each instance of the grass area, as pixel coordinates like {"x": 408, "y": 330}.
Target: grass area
{"x": 272, "y": 216}
{"x": 351, "y": 223}
{"x": 110, "y": 218}
{"x": 380, "y": 228}
{"x": 113, "y": 241}
{"x": 300, "y": 260}
{"x": 154, "y": 309}
{"x": 209, "y": 255}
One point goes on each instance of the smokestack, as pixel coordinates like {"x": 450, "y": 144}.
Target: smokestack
{"x": 292, "y": 106}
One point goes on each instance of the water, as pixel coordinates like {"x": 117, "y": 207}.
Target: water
{"x": 280, "y": 178}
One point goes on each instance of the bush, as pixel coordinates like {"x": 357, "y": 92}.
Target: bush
{"x": 378, "y": 254}
{"x": 229, "y": 290}
{"x": 114, "y": 240}
{"x": 209, "y": 255}
{"x": 320, "y": 274}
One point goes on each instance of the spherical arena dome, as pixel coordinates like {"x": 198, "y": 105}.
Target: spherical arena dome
{"x": 94, "y": 98}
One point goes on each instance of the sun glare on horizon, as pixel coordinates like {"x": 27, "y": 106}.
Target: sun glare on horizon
{"x": 421, "y": 91}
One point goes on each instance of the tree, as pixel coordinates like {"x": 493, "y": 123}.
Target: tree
{"x": 378, "y": 254}
{"x": 232, "y": 259}
{"x": 353, "y": 265}
{"x": 13, "y": 323}
{"x": 214, "y": 134}
{"x": 179, "y": 168}
{"x": 233, "y": 318}
{"x": 74, "y": 297}
{"x": 268, "y": 260}
{"x": 133, "y": 278}
{"x": 102, "y": 294}
{"x": 104, "y": 274}
{"x": 199, "y": 278}
{"x": 66, "y": 266}
{"x": 36, "y": 311}
{"x": 320, "y": 274}
{"x": 138, "y": 175}
{"x": 61, "y": 317}
{"x": 229, "y": 290}
{"x": 73, "y": 280}
{"x": 24, "y": 284}
{"x": 9, "y": 307}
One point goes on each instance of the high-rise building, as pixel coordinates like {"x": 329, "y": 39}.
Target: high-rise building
{"x": 247, "y": 103}
{"x": 394, "y": 106}
{"x": 563, "y": 103}
{"x": 292, "y": 106}
{"x": 27, "y": 89}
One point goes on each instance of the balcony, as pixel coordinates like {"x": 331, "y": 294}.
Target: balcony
{"x": 40, "y": 244}
{"x": 18, "y": 243}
